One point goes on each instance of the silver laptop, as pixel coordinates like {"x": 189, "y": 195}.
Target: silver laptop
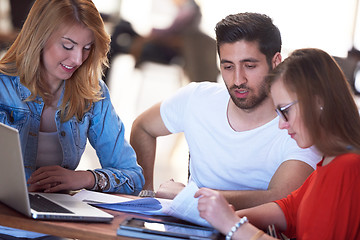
{"x": 14, "y": 192}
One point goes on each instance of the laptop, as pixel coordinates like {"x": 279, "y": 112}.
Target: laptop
{"x": 14, "y": 192}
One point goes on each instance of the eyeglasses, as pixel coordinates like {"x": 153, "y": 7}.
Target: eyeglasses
{"x": 283, "y": 112}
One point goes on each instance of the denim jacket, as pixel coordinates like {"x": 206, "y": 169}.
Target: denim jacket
{"x": 100, "y": 125}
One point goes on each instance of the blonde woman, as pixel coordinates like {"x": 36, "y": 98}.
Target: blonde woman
{"x": 50, "y": 91}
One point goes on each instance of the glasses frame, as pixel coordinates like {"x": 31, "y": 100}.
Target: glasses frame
{"x": 281, "y": 110}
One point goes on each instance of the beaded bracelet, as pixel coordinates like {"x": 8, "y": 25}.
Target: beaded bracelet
{"x": 235, "y": 227}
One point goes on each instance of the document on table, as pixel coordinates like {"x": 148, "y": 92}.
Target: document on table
{"x": 98, "y": 197}
{"x": 147, "y": 206}
{"x": 184, "y": 206}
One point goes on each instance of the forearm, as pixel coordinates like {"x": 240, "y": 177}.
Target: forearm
{"x": 211, "y": 203}
{"x": 287, "y": 178}
{"x": 259, "y": 218}
{"x": 88, "y": 178}
{"x": 249, "y": 231}
{"x": 263, "y": 215}
{"x": 146, "y": 128}
{"x": 247, "y": 199}
{"x": 145, "y": 148}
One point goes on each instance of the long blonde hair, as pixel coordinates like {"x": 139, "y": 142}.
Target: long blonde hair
{"x": 23, "y": 58}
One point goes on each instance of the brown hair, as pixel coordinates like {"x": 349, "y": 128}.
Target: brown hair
{"x": 313, "y": 75}
{"x": 251, "y": 27}
{"x": 23, "y": 58}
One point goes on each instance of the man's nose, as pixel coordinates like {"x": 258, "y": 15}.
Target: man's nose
{"x": 240, "y": 77}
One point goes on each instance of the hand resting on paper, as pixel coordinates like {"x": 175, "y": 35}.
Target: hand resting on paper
{"x": 169, "y": 189}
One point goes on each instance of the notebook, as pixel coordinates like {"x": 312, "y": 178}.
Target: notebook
{"x": 14, "y": 192}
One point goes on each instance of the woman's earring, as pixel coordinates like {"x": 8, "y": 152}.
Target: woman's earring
{"x": 321, "y": 108}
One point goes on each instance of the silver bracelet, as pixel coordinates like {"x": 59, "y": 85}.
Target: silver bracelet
{"x": 96, "y": 180}
{"x": 235, "y": 227}
{"x": 146, "y": 193}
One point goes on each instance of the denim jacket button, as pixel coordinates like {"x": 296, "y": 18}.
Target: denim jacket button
{"x": 63, "y": 133}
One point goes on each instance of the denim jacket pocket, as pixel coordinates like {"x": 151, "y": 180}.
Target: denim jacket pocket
{"x": 79, "y": 132}
{"x": 13, "y": 117}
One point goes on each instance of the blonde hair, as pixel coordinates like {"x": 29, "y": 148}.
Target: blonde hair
{"x": 23, "y": 58}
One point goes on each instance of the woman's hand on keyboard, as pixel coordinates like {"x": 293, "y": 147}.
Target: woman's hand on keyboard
{"x": 57, "y": 178}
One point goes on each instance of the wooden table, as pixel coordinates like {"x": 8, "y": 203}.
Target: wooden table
{"x": 78, "y": 230}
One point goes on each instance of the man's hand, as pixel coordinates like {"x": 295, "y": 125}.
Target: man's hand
{"x": 169, "y": 189}
{"x": 56, "y": 179}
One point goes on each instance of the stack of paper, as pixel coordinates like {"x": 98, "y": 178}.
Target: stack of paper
{"x": 184, "y": 205}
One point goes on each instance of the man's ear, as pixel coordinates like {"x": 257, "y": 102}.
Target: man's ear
{"x": 276, "y": 59}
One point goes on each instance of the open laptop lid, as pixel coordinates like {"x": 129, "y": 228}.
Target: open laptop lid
{"x": 14, "y": 192}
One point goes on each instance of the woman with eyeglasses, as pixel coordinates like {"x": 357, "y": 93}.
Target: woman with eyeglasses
{"x": 317, "y": 108}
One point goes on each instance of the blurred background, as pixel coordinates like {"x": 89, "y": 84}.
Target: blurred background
{"x": 332, "y": 25}
{"x": 161, "y": 45}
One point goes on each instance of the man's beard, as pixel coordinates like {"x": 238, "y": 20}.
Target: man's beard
{"x": 250, "y": 102}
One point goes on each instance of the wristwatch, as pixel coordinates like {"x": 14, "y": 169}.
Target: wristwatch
{"x": 147, "y": 193}
{"x": 101, "y": 181}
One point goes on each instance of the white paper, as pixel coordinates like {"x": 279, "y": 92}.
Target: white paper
{"x": 98, "y": 197}
{"x": 184, "y": 206}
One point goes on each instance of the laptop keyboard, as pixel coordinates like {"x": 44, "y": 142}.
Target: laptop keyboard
{"x": 41, "y": 204}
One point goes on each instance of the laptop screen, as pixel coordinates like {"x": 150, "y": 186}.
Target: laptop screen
{"x": 13, "y": 188}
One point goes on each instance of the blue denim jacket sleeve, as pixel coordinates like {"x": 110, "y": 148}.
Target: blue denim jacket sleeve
{"x": 117, "y": 158}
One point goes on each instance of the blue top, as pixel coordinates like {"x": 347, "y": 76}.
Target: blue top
{"x": 100, "y": 125}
